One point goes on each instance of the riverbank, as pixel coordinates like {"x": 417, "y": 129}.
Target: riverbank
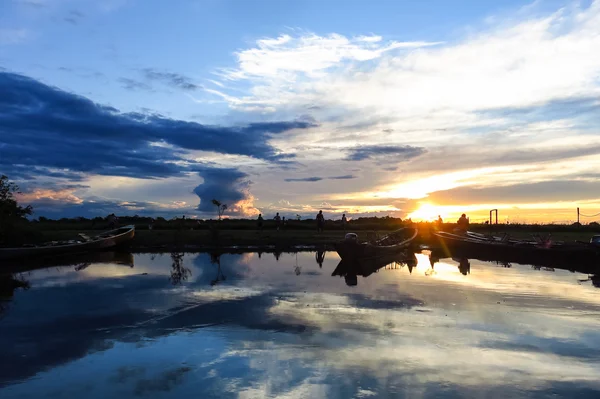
{"x": 188, "y": 240}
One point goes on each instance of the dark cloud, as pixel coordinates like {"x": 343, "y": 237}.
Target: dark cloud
{"x": 132, "y": 84}
{"x": 404, "y": 152}
{"x": 227, "y": 185}
{"x": 171, "y": 79}
{"x": 44, "y": 128}
{"x": 304, "y": 179}
{"x": 317, "y": 178}
{"x": 29, "y": 172}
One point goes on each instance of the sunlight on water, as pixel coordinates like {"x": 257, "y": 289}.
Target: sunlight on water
{"x": 280, "y": 325}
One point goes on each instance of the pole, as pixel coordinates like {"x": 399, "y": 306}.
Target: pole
{"x": 577, "y": 214}
{"x": 494, "y": 210}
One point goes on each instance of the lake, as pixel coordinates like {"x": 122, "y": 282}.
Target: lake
{"x": 250, "y": 326}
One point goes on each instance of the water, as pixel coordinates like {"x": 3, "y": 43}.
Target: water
{"x": 260, "y": 327}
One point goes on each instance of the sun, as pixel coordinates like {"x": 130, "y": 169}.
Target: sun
{"x": 426, "y": 213}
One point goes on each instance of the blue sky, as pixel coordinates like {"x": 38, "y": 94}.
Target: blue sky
{"x": 265, "y": 103}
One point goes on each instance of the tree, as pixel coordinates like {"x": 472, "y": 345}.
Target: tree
{"x": 11, "y": 213}
{"x": 10, "y": 210}
{"x": 221, "y": 208}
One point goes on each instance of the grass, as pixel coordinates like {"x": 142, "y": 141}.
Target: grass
{"x": 157, "y": 239}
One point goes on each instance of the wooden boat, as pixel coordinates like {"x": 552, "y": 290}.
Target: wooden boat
{"x": 109, "y": 239}
{"x": 518, "y": 251}
{"x": 390, "y": 244}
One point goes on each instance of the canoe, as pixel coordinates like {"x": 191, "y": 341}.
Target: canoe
{"x": 389, "y": 245}
{"x": 109, "y": 239}
{"x": 518, "y": 251}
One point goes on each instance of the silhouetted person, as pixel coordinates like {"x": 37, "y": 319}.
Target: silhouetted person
{"x": 439, "y": 222}
{"x": 277, "y": 219}
{"x": 463, "y": 222}
{"x": 112, "y": 220}
{"x": 260, "y": 222}
{"x": 344, "y": 221}
{"x": 320, "y": 221}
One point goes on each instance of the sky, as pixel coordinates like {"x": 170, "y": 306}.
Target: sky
{"x": 380, "y": 108}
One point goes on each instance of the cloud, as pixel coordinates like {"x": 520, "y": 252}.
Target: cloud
{"x": 172, "y": 79}
{"x": 316, "y": 178}
{"x": 132, "y": 84}
{"x": 491, "y": 68}
{"x": 44, "y": 128}
{"x": 33, "y": 3}
{"x": 74, "y": 17}
{"x": 304, "y": 179}
{"x": 230, "y": 186}
{"x": 285, "y": 57}
{"x": 71, "y": 201}
{"x": 554, "y": 190}
{"x": 405, "y": 152}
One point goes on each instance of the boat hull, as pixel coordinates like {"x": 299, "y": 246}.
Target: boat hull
{"x": 349, "y": 249}
{"x": 110, "y": 239}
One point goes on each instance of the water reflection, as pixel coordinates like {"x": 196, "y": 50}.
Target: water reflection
{"x": 179, "y": 272}
{"x": 215, "y": 259}
{"x": 350, "y": 269}
{"x": 320, "y": 257}
{"x": 240, "y": 325}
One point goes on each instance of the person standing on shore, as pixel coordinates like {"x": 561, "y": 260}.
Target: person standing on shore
{"x": 320, "y": 221}
{"x": 277, "y": 219}
{"x": 344, "y": 221}
{"x": 260, "y": 222}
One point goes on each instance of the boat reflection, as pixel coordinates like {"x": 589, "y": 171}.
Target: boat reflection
{"x": 350, "y": 269}
{"x": 464, "y": 266}
{"x": 80, "y": 261}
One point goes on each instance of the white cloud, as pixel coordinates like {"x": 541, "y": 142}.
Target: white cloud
{"x": 526, "y": 63}
{"x": 288, "y": 58}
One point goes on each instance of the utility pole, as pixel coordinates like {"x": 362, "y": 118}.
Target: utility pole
{"x": 577, "y": 214}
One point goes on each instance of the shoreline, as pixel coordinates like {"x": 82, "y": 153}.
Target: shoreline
{"x": 282, "y": 241}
